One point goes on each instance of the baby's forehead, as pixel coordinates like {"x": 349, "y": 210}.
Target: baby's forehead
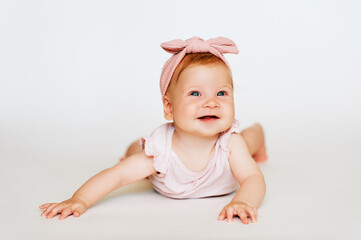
{"x": 224, "y": 82}
{"x": 217, "y": 74}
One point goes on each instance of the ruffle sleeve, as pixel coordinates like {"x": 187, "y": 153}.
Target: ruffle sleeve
{"x": 157, "y": 145}
{"x": 224, "y": 138}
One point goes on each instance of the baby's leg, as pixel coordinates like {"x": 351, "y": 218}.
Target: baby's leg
{"x": 133, "y": 148}
{"x": 254, "y": 137}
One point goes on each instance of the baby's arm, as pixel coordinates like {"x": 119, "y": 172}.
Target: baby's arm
{"x": 129, "y": 170}
{"x": 252, "y": 185}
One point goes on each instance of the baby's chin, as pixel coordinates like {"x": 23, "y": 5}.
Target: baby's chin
{"x": 212, "y": 132}
{"x": 225, "y": 125}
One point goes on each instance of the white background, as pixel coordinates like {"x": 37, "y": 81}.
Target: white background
{"x": 79, "y": 81}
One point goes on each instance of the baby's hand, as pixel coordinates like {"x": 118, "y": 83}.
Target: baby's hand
{"x": 242, "y": 209}
{"x": 73, "y": 206}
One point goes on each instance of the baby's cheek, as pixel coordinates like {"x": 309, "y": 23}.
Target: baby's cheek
{"x": 229, "y": 111}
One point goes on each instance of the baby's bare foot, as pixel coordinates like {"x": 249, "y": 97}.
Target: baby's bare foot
{"x": 260, "y": 155}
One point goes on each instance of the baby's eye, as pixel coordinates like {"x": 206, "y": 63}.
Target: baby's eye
{"x": 221, "y": 93}
{"x": 195, "y": 93}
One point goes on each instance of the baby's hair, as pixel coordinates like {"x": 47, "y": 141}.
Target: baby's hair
{"x": 193, "y": 59}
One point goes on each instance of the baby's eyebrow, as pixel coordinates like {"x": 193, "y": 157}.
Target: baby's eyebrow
{"x": 199, "y": 87}
{"x": 227, "y": 86}
{"x": 191, "y": 87}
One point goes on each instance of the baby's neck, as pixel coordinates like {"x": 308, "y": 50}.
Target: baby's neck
{"x": 193, "y": 144}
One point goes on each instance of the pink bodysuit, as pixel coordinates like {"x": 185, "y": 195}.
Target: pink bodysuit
{"x": 175, "y": 180}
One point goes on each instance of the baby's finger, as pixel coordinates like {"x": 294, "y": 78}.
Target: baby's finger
{"x": 222, "y": 214}
{"x": 229, "y": 214}
{"x": 251, "y": 213}
{"x": 66, "y": 212}
{"x": 242, "y": 215}
{"x": 79, "y": 211}
{"x": 44, "y": 205}
{"x": 58, "y": 209}
{"x": 49, "y": 208}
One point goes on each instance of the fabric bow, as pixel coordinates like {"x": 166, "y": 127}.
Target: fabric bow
{"x": 196, "y": 45}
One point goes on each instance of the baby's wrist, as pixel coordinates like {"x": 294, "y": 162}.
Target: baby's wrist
{"x": 81, "y": 200}
{"x": 241, "y": 201}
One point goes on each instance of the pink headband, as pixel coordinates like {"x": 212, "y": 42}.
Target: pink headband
{"x": 179, "y": 48}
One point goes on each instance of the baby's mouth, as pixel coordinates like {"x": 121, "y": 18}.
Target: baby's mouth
{"x": 208, "y": 117}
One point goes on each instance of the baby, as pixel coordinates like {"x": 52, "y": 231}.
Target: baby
{"x": 201, "y": 152}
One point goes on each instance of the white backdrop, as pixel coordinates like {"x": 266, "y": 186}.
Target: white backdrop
{"x": 79, "y": 82}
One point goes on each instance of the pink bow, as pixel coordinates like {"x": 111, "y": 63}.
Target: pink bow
{"x": 196, "y": 44}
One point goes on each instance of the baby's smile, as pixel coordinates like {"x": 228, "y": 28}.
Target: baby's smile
{"x": 208, "y": 118}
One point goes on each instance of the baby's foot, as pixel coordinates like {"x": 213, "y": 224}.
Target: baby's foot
{"x": 260, "y": 155}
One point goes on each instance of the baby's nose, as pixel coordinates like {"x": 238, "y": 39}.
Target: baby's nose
{"x": 211, "y": 103}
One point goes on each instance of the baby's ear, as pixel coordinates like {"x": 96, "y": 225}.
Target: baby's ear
{"x": 167, "y": 108}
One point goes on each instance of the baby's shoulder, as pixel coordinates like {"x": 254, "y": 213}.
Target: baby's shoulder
{"x": 236, "y": 141}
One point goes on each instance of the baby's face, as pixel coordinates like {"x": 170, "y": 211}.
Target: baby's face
{"x": 201, "y": 102}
